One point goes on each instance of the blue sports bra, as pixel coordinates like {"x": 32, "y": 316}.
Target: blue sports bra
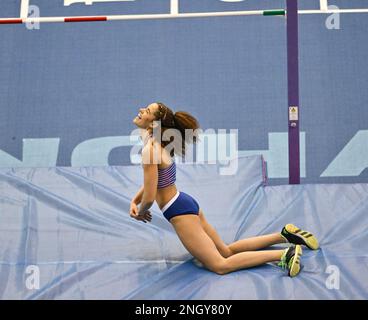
{"x": 166, "y": 176}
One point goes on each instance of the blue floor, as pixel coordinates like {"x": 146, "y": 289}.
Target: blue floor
{"x": 73, "y": 226}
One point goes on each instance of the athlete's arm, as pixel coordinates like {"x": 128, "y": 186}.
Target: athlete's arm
{"x": 138, "y": 197}
{"x": 150, "y": 172}
{"x": 133, "y": 210}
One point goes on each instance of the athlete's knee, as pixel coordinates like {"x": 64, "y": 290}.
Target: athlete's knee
{"x": 227, "y": 251}
{"x": 220, "y": 267}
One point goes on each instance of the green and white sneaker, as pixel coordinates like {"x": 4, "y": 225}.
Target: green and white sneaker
{"x": 293, "y": 234}
{"x": 290, "y": 260}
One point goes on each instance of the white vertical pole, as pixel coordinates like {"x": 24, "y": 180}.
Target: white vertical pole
{"x": 24, "y": 9}
{"x": 323, "y": 4}
{"x": 174, "y": 6}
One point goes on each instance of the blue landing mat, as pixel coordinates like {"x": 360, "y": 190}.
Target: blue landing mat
{"x": 72, "y": 226}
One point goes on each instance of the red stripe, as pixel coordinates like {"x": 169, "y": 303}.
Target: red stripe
{"x": 83, "y": 19}
{"x": 10, "y": 21}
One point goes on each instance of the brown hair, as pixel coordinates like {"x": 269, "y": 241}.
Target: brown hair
{"x": 180, "y": 120}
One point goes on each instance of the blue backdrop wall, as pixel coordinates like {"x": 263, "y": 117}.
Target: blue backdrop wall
{"x": 69, "y": 92}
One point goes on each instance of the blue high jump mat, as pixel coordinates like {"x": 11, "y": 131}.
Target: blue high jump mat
{"x": 65, "y": 233}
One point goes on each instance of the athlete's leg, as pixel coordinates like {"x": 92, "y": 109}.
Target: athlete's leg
{"x": 201, "y": 246}
{"x": 256, "y": 243}
{"x": 249, "y": 244}
{"x": 212, "y": 233}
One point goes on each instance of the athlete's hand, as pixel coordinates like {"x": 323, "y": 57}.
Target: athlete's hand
{"x": 133, "y": 212}
{"x": 146, "y": 217}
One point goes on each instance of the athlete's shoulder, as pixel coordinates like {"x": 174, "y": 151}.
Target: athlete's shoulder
{"x": 151, "y": 151}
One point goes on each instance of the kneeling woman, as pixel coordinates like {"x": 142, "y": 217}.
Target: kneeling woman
{"x": 185, "y": 214}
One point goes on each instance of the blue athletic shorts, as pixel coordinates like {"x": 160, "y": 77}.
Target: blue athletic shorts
{"x": 181, "y": 203}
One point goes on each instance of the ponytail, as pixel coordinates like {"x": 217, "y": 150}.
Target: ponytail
{"x": 180, "y": 120}
{"x": 185, "y": 121}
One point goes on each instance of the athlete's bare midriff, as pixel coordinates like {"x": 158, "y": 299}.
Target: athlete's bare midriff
{"x": 164, "y": 195}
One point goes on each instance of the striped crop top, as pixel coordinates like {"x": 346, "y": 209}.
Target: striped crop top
{"x": 166, "y": 176}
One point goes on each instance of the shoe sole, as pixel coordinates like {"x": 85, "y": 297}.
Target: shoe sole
{"x": 295, "y": 266}
{"x": 311, "y": 241}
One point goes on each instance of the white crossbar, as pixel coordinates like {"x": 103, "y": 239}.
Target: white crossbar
{"x": 23, "y": 18}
